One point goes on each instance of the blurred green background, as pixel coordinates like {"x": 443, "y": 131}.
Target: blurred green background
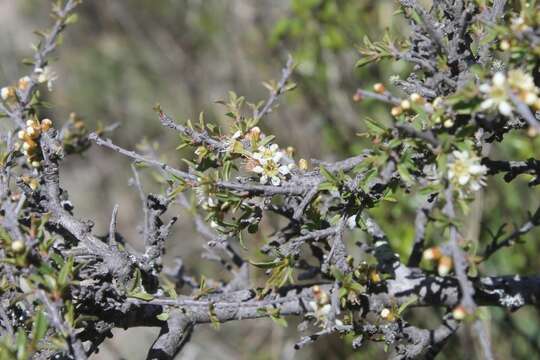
{"x": 123, "y": 57}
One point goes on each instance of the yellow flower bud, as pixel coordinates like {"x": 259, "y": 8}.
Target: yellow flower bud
{"x": 8, "y": 93}
{"x": 46, "y": 124}
{"x": 433, "y": 253}
{"x": 32, "y": 132}
{"x": 289, "y": 151}
{"x": 387, "y": 314}
{"x": 417, "y": 98}
{"x": 405, "y": 104}
{"x": 303, "y": 164}
{"x": 445, "y": 265}
{"x": 18, "y": 246}
{"x": 36, "y": 164}
{"x": 255, "y": 133}
{"x": 459, "y": 313}
{"x": 505, "y": 45}
{"x": 448, "y": 123}
{"x": 374, "y": 277}
{"x": 379, "y": 88}
{"x": 24, "y": 83}
{"x": 396, "y": 111}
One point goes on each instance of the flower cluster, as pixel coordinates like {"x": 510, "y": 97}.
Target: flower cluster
{"x": 30, "y": 140}
{"x": 41, "y": 75}
{"x": 269, "y": 164}
{"x": 435, "y": 255}
{"x": 497, "y": 94}
{"x": 466, "y": 173}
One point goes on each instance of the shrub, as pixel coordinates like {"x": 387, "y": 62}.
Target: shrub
{"x": 473, "y": 82}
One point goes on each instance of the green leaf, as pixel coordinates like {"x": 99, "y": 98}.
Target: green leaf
{"x": 164, "y": 316}
{"x": 141, "y": 295}
{"x": 266, "y": 264}
{"x": 39, "y": 328}
{"x": 404, "y": 173}
{"x": 20, "y": 344}
{"x": 65, "y": 272}
{"x": 407, "y": 303}
{"x": 328, "y": 175}
{"x": 72, "y": 19}
{"x": 375, "y": 127}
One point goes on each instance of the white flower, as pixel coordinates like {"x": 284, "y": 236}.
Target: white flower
{"x": 523, "y": 85}
{"x": 498, "y": 93}
{"x": 466, "y": 173}
{"x": 497, "y": 96}
{"x": 319, "y": 312}
{"x": 269, "y": 167}
{"x": 46, "y": 75}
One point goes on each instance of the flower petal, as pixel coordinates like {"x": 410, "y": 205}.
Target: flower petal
{"x": 284, "y": 170}
{"x": 505, "y": 108}
{"x": 499, "y": 79}
{"x": 464, "y": 178}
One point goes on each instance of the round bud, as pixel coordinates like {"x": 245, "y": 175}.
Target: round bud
{"x": 459, "y": 313}
{"x": 31, "y": 131}
{"x": 46, "y": 124}
{"x": 375, "y": 277}
{"x": 379, "y": 88}
{"x": 448, "y": 123}
{"x": 24, "y": 83}
{"x": 289, "y": 150}
{"x": 18, "y": 246}
{"x": 36, "y": 164}
{"x": 21, "y": 134}
{"x": 7, "y": 93}
{"x": 445, "y": 265}
{"x": 405, "y": 104}
{"x": 417, "y": 98}
{"x": 396, "y": 111}
{"x": 433, "y": 253}
{"x": 505, "y": 45}
{"x": 303, "y": 164}
{"x": 387, "y": 314}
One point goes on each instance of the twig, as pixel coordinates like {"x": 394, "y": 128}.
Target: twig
{"x": 274, "y": 95}
{"x": 112, "y": 226}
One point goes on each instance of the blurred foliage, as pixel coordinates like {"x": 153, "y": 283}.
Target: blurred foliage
{"x": 124, "y": 56}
